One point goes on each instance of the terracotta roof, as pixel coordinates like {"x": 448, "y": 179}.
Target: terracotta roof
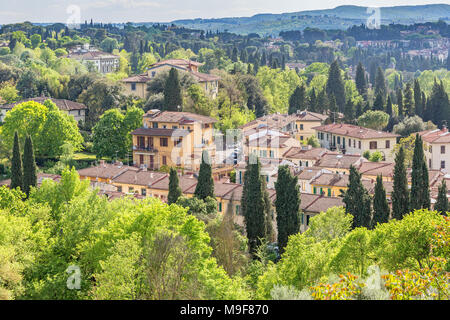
{"x": 141, "y": 177}
{"x": 353, "y": 131}
{"x": 386, "y": 169}
{"x": 436, "y": 136}
{"x": 308, "y": 173}
{"x": 270, "y": 142}
{"x": 223, "y": 189}
{"x": 62, "y": 104}
{"x": 309, "y": 116}
{"x": 177, "y": 62}
{"x": 105, "y": 170}
{"x": 140, "y": 78}
{"x": 160, "y": 132}
{"x": 204, "y": 77}
{"x": 339, "y": 180}
{"x": 302, "y": 153}
{"x": 272, "y": 121}
{"x": 178, "y": 117}
{"x": 40, "y": 178}
{"x": 339, "y": 161}
{"x": 317, "y": 203}
{"x": 186, "y": 183}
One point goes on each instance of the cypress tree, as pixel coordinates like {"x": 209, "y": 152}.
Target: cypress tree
{"x": 312, "y": 100}
{"x": 418, "y": 103}
{"x": 335, "y": 85}
{"x": 380, "y": 204}
{"x": 29, "y": 166}
{"x": 322, "y": 101}
{"x": 380, "y": 84}
{"x": 349, "y": 111}
{"x": 174, "y": 187}
{"x": 442, "y": 204}
{"x": 408, "y": 102}
{"x": 400, "y": 103}
{"x": 287, "y": 206}
{"x": 360, "y": 80}
{"x": 378, "y": 103}
{"x": 400, "y": 193}
{"x": 234, "y": 55}
{"x": 205, "y": 184}
{"x": 420, "y": 193}
{"x": 389, "y": 106}
{"x": 254, "y": 208}
{"x": 357, "y": 200}
{"x": 172, "y": 92}
{"x": 16, "y": 165}
{"x": 438, "y": 104}
{"x": 297, "y": 101}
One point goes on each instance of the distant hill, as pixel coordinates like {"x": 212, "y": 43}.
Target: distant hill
{"x": 340, "y": 17}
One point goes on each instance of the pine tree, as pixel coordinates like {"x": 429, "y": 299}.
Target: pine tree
{"x": 380, "y": 205}
{"x": 357, "y": 200}
{"x": 400, "y": 103}
{"x": 16, "y": 165}
{"x": 29, "y": 166}
{"x": 420, "y": 191}
{"x": 400, "y": 192}
{"x": 254, "y": 208}
{"x": 174, "y": 187}
{"x": 297, "y": 101}
{"x": 287, "y": 206}
{"x": 205, "y": 184}
{"x": 335, "y": 85}
{"x": 332, "y": 107}
{"x": 312, "y": 100}
{"x": 349, "y": 111}
{"x": 360, "y": 80}
{"x": 442, "y": 204}
{"x": 389, "y": 106}
{"x": 172, "y": 92}
{"x": 322, "y": 101}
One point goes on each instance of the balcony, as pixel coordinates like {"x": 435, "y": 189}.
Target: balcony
{"x": 149, "y": 149}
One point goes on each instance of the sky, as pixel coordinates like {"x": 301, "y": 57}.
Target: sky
{"x": 68, "y": 11}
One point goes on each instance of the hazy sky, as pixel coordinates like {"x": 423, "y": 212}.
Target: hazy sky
{"x": 166, "y": 10}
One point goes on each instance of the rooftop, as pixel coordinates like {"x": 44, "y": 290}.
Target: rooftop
{"x": 339, "y": 161}
{"x": 304, "y": 153}
{"x": 159, "y": 132}
{"x": 178, "y": 117}
{"x": 62, "y": 104}
{"x": 354, "y": 131}
{"x": 436, "y": 135}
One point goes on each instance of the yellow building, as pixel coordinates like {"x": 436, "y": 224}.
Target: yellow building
{"x": 173, "y": 139}
{"x": 137, "y": 85}
{"x": 331, "y": 184}
{"x": 272, "y": 146}
{"x": 351, "y": 139}
{"x": 305, "y": 122}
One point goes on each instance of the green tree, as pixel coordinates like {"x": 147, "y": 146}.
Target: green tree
{"x": 408, "y": 101}
{"x": 335, "y": 85}
{"x": 360, "y": 80}
{"x": 16, "y": 165}
{"x": 287, "y": 206}
{"x": 378, "y": 104}
{"x": 253, "y": 205}
{"x": 442, "y": 204}
{"x": 357, "y": 200}
{"x": 420, "y": 191}
{"x": 29, "y": 167}
{"x": 380, "y": 205}
{"x": 376, "y": 120}
{"x": 172, "y": 92}
{"x": 174, "y": 187}
{"x": 297, "y": 100}
{"x": 418, "y": 102}
{"x": 205, "y": 184}
{"x": 380, "y": 84}
{"x": 400, "y": 192}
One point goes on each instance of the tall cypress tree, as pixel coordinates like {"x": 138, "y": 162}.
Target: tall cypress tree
{"x": 389, "y": 106}
{"x": 360, "y": 80}
{"x": 254, "y": 208}
{"x": 357, "y": 200}
{"x": 29, "y": 166}
{"x": 312, "y": 100}
{"x": 349, "y": 111}
{"x": 380, "y": 84}
{"x": 400, "y": 103}
{"x": 400, "y": 192}
{"x": 174, "y": 187}
{"x": 418, "y": 103}
{"x": 297, "y": 101}
{"x": 378, "y": 104}
{"x": 380, "y": 205}
{"x": 172, "y": 92}
{"x": 205, "y": 184}
{"x": 408, "y": 101}
{"x": 16, "y": 165}
{"x": 442, "y": 204}
{"x": 335, "y": 85}
{"x": 287, "y": 206}
{"x": 420, "y": 191}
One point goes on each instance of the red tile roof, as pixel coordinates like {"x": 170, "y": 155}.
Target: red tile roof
{"x": 302, "y": 153}
{"x": 160, "y": 132}
{"x": 436, "y": 136}
{"x": 353, "y": 131}
{"x": 178, "y": 117}
{"x": 62, "y": 104}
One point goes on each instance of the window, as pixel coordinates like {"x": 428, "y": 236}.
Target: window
{"x": 155, "y": 125}
{"x": 164, "y": 160}
{"x": 373, "y": 145}
{"x": 307, "y": 219}
{"x": 163, "y": 142}
{"x": 442, "y": 149}
{"x": 329, "y": 192}
{"x": 349, "y": 142}
{"x": 272, "y": 154}
{"x": 306, "y": 163}
{"x": 141, "y": 159}
{"x": 359, "y": 144}
{"x": 238, "y": 209}
{"x": 388, "y": 144}
{"x": 119, "y": 189}
{"x": 301, "y": 127}
{"x": 130, "y": 189}
{"x": 429, "y": 163}
{"x": 314, "y": 190}
{"x": 220, "y": 206}
{"x": 133, "y": 86}
{"x": 339, "y": 140}
{"x": 144, "y": 192}
{"x": 443, "y": 164}
{"x": 301, "y": 138}
{"x": 153, "y": 73}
